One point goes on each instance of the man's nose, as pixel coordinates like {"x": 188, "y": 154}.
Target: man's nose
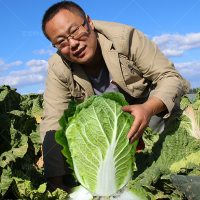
{"x": 73, "y": 42}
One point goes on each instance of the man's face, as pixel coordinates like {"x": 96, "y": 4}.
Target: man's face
{"x": 82, "y": 50}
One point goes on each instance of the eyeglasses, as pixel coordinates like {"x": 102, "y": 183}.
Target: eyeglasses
{"x": 76, "y": 34}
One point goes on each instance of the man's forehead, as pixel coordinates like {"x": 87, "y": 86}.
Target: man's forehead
{"x": 68, "y": 19}
{"x": 68, "y": 15}
{"x": 63, "y": 21}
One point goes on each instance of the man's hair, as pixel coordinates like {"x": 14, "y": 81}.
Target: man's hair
{"x": 54, "y": 9}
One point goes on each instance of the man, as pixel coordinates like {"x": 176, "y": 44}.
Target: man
{"x": 94, "y": 57}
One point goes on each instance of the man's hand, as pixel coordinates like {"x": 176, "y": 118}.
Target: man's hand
{"x": 143, "y": 113}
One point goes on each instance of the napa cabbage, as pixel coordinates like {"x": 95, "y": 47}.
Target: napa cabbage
{"x": 94, "y": 137}
{"x": 188, "y": 118}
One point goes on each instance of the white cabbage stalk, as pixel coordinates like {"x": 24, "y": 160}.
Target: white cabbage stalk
{"x": 80, "y": 193}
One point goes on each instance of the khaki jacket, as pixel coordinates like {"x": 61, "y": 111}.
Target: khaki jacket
{"x": 134, "y": 62}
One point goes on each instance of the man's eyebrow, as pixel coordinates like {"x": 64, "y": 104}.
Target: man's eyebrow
{"x": 67, "y": 31}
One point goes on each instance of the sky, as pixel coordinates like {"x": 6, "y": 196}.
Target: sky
{"x": 174, "y": 25}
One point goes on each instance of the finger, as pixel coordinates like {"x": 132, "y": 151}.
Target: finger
{"x": 138, "y": 135}
{"x": 127, "y": 109}
{"x": 134, "y": 138}
{"x": 134, "y": 128}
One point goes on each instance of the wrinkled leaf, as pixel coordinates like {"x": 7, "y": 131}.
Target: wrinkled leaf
{"x": 6, "y": 180}
{"x": 189, "y": 185}
{"x": 9, "y": 99}
{"x": 185, "y": 102}
{"x": 18, "y": 151}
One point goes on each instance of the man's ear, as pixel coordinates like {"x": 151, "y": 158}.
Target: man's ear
{"x": 89, "y": 21}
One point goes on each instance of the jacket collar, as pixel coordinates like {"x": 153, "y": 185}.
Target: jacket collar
{"x": 111, "y": 59}
{"x": 80, "y": 77}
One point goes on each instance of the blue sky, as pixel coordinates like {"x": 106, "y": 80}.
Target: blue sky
{"x": 172, "y": 24}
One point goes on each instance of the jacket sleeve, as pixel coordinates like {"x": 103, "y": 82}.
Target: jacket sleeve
{"x": 170, "y": 85}
{"x": 56, "y": 99}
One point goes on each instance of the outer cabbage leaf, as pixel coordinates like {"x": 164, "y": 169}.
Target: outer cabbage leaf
{"x": 37, "y": 109}
{"x": 18, "y": 150}
{"x": 176, "y": 147}
{"x": 5, "y": 180}
{"x": 198, "y": 95}
{"x": 189, "y": 119}
{"x": 150, "y": 138}
{"x": 24, "y": 189}
{"x": 60, "y": 135}
{"x": 184, "y": 163}
{"x": 185, "y": 102}
{"x": 99, "y": 150}
{"x": 33, "y": 105}
{"x": 189, "y": 185}
{"x": 9, "y": 99}
{"x": 196, "y": 107}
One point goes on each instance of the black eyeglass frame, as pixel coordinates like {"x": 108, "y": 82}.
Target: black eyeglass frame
{"x": 83, "y": 24}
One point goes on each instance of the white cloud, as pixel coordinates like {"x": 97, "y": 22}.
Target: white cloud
{"x": 147, "y": 35}
{"x": 36, "y": 62}
{"x": 1, "y": 62}
{"x": 43, "y": 51}
{"x": 40, "y": 91}
{"x": 190, "y": 71}
{"x": 5, "y": 66}
{"x": 16, "y": 63}
{"x": 21, "y": 81}
{"x": 162, "y": 40}
{"x": 172, "y": 53}
{"x": 194, "y": 64}
{"x": 34, "y": 73}
{"x": 4, "y": 69}
{"x": 175, "y": 45}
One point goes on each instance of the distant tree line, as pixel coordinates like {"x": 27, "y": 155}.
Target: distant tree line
{"x": 193, "y": 91}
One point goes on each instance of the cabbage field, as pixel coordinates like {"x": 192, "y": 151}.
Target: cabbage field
{"x": 167, "y": 168}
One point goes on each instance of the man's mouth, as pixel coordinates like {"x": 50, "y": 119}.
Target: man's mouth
{"x": 80, "y": 52}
